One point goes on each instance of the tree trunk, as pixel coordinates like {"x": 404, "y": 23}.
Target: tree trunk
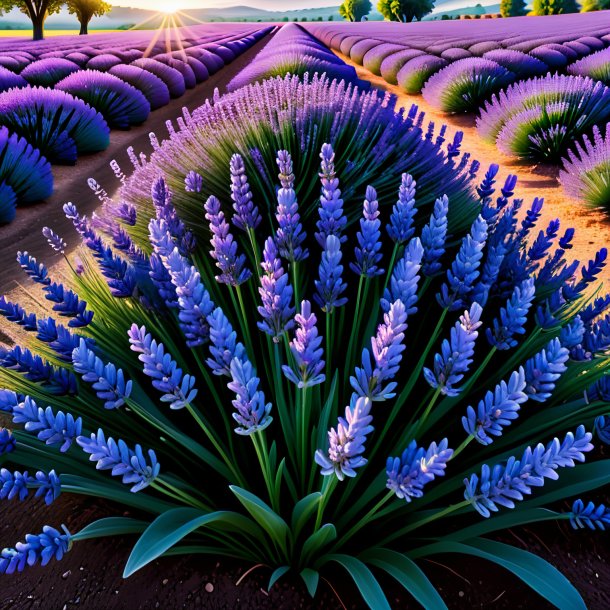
{"x": 83, "y": 28}
{"x": 37, "y": 28}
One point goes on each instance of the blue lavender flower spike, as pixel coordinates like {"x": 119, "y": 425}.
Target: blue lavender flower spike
{"x": 405, "y": 279}
{"x": 284, "y": 163}
{"x": 252, "y": 413}
{"x": 590, "y": 516}
{"x": 52, "y": 428}
{"x": 132, "y": 465}
{"x": 194, "y": 301}
{"x": 513, "y": 317}
{"x": 305, "y": 348}
{"x": 455, "y": 358}
{"x": 290, "y": 235}
{"x": 246, "y": 213}
{"x": 50, "y": 544}
{"x": 224, "y": 346}
{"x": 486, "y": 189}
{"x": 401, "y": 227}
{"x": 602, "y": 428}
{"x": 14, "y": 484}
{"x": 54, "y": 240}
{"x": 276, "y": 294}
{"x": 13, "y": 312}
{"x": 455, "y": 292}
{"x": 433, "y": 237}
{"x": 7, "y": 441}
{"x": 497, "y": 409}
{"x": 178, "y": 389}
{"x": 503, "y": 485}
{"x": 35, "y": 270}
{"x": 193, "y": 182}
{"x": 368, "y": 251}
{"x": 416, "y": 467}
{"x": 386, "y": 347}
{"x": 544, "y": 369}
{"x": 346, "y": 442}
{"x": 330, "y": 286}
{"x": 108, "y": 382}
{"x": 332, "y": 219}
{"x": 224, "y": 247}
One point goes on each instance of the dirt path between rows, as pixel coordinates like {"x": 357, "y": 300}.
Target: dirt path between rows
{"x": 592, "y": 226}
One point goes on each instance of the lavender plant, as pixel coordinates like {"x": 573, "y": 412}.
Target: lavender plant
{"x": 325, "y": 433}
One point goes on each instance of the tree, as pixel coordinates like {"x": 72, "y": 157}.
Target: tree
{"x": 512, "y": 8}
{"x": 554, "y": 7}
{"x": 355, "y": 10}
{"x": 36, "y": 10}
{"x": 85, "y": 10}
{"x": 405, "y": 10}
{"x": 595, "y": 5}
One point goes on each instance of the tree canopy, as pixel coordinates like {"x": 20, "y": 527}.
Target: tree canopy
{"x": 405, "y": 10}
{"x": 355, "y": 10}
{"x": 85, "y": 10}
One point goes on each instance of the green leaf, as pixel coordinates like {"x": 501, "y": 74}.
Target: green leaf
{"x": 366, "y": 582}
{"x": 327, "y": 533}
{"x": 171, "y": 527}
{"x": 277, "y": 574}
{"x": 302, "y": 511}
{"x": 111, "y": 526}
{"x": 311, "y": 578}
{"x": 326, "y": 411}
{"x": 534, "y": 571}
{"x": 408, "y": 574}
{"x": 502, "y": 521}
{"x": 264, "y": 515}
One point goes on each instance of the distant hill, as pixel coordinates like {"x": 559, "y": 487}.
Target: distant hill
{"x": 477, "y": 9}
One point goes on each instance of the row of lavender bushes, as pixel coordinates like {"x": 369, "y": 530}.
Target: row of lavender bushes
{"x": 64, "y": 102}
{"x": 526, "y": 105}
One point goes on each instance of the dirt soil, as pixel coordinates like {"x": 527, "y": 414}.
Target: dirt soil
{"x": 89, "y": 577}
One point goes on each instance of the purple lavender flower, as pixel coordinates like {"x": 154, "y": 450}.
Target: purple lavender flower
{"x": 591, "y": 516}
{"x": 346, "y": 442}
{"x": 497, "y": 409}
{"x": 224, "y": 247}
{"x": 502, "y": 485}
{"x": 7, "y": 441}
{"x": 330, "y": 286}
{"x": 17, "y": 484}
{"x": 512, "y": 317}
{"x": 246, "y": 213}
{"x": 252, "y": 413}
{"x": 332, "y": 219}
{"x": 544, "y": 369}
{"x": 367, "y": 251}
{"x": 305, "y": 348}
{"x": 290, "y": 235}
{"x": 433, "y": 237}
{"x": 54, "y": 240}
{"x": 405, "y": 278}
{"x": 35, "y": 270}
{"x": 127, "y": 463}
{"x": 68, "y": 304}
{"x": 107, "y": 381}
{"x": 401, "y": 227}
{"x": 386, "y": 347}
{"x": 50, "y": 544}
{"x": 178, "y": 389}
{"x": 455, "y": 358}
{"x": 276, "y": 294}
{"x": 455, "y": 292}
{"x": 193, "y": 182}
{"x": 417, "y": 466}
{"x": 224, "y": 346}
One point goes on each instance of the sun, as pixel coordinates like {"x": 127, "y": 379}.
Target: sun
{"x": 168, "y": 10}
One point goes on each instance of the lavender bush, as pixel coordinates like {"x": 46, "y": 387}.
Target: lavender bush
{"x": 48, "y": 72}
{"x": 171, "y": 77}
{"x": 586, "y": 171}
{"x": 542, "y": 117}
{"x": 288, "y": 336}
{"x": 25, "y": 175}
{"x": 55, "y": 122}
{"x": 10, "y": 80}
{"x": 465, "y": 84}
{"x": 596, "y": 66}
{"x": 118, "y": 102}
{"x": 151, "y": 86}
{"x": 415, "y": 72}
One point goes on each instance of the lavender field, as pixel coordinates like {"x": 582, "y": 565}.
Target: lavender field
{"x": 307, "y": 315}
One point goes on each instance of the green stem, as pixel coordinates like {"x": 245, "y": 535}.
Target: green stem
{"x": 254, "y": 245}
{"x": 426, "y": 412}
{"x": 390, "y": 267}
{"x": 370, "y": 516}
{"x": 295, "y": 282}
{"x": 242, "y": 308}
{"x": 328, "y": 486}
{"x": 303, "y": 434}
{"x": 263, "y": 460}
{"x": 178, "y": 494}
{"x": 463, "y": 446}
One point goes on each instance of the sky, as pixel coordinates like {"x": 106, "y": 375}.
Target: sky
{"x": 271, "y": 5}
